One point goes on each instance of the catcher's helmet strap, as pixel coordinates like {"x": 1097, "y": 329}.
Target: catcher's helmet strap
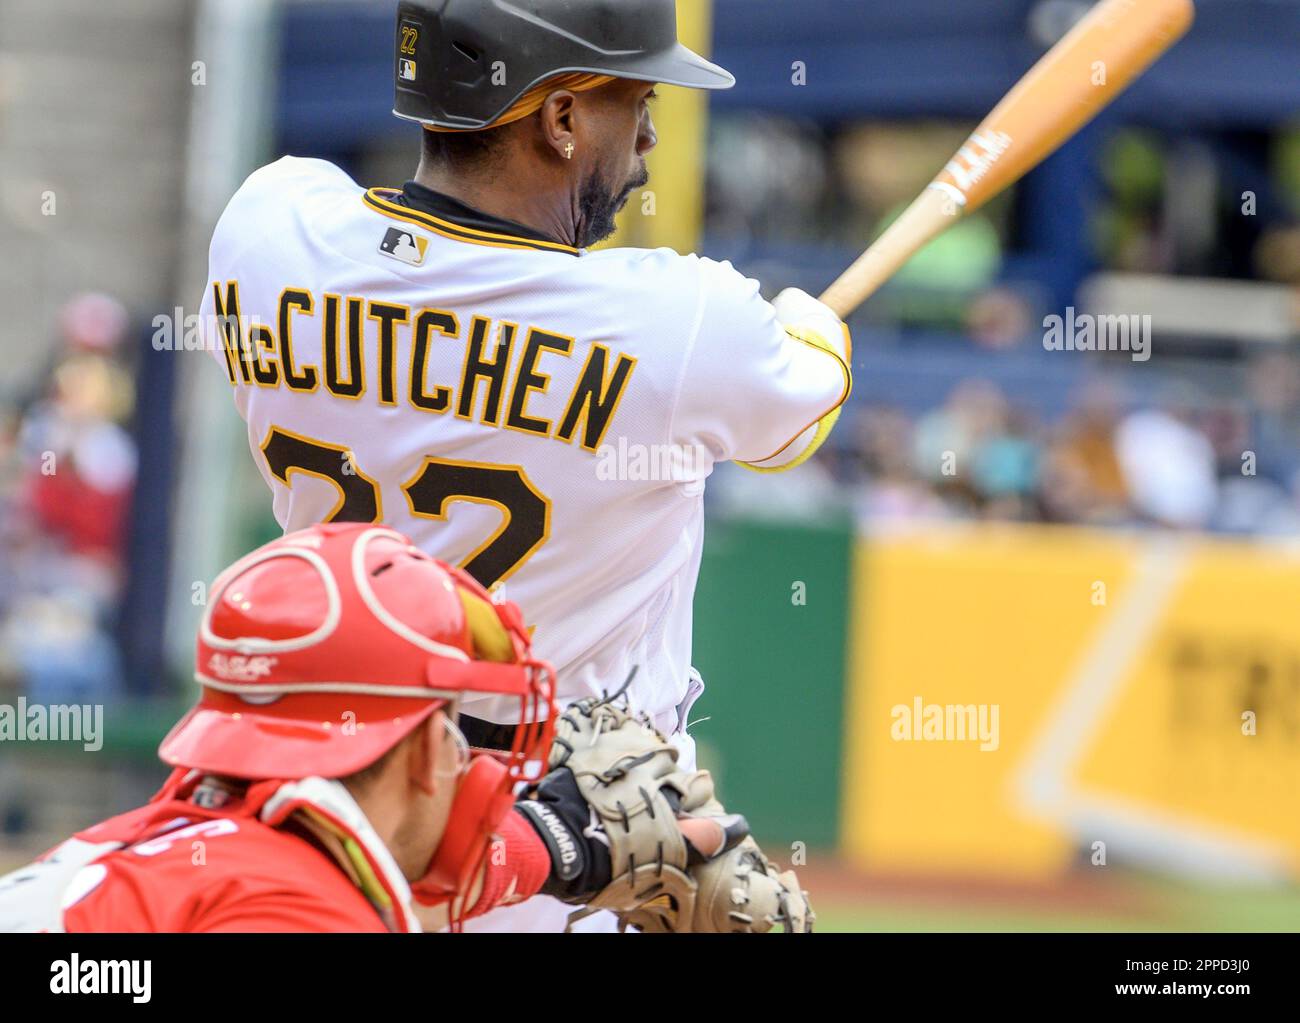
{"x": 483, "y": 798}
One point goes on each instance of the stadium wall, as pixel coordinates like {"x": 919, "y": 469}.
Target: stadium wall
{"x": 1013, "y": 699}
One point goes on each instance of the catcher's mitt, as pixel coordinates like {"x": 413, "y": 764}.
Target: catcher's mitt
{"x": 609, "y": 811}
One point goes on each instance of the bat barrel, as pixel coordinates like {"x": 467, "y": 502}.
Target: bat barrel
{"x": 1100, "y": 57}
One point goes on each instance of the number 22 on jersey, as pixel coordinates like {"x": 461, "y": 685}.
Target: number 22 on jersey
{"x": 439, "y": 483}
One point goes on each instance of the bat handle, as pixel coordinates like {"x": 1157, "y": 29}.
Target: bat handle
{"x": 931, "y": 213}
{"x": 857, "y": 284}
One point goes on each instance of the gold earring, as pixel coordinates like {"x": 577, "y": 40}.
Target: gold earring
{"x": 568, "y": 151}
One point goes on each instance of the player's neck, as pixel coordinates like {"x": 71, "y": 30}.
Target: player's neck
{"x": 518, "y": 201}
{"x": 390, "y": 817}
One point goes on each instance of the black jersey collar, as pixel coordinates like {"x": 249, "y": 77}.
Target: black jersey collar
{"x": 454, "y": 219}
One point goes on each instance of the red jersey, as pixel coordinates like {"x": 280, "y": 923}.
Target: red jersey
{"x": 296, "y": 857}
{"x": 202, "y": 872}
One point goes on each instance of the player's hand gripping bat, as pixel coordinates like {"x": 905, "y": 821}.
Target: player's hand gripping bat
{"x": 1114, "y": 43}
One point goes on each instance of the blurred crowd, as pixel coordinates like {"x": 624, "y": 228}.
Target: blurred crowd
{"x": 1174, "y": 459}
{"x": 1223, "y": 204}
{"x": 67, "y": 473}
{"x": 1177, "y": 461}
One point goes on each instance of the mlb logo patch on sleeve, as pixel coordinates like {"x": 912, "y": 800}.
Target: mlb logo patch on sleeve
{"x": 404, "y": 245}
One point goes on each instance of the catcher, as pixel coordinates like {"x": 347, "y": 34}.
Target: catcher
{"x": 322, "y": 784}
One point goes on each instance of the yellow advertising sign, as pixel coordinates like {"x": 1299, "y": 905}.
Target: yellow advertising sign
{"x": 1019, "y": 693}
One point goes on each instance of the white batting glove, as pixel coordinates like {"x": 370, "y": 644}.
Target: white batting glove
{"x": 798, "y": 309}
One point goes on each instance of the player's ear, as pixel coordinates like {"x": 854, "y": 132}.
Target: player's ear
{"x": 426, "y": 747}
{"x": 559, "y": 123}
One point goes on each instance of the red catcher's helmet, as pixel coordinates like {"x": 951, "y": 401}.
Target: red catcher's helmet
{"x": 322, "y": 650}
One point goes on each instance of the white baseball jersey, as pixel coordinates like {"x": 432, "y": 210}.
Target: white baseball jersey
{"x": 542, "y": 415}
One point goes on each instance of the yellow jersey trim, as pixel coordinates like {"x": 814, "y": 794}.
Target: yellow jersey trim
{"x": 826, "y": 421}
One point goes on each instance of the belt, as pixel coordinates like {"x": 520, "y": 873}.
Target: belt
{"x": 485, "y": 734}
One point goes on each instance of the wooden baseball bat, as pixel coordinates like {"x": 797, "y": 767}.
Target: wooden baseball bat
{"x": 1097, "y": 60}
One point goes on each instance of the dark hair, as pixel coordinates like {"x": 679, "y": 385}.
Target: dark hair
{"x": 461, "y": 148}
{"x": 359, "y": 781}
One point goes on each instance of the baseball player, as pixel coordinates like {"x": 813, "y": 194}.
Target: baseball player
{"x": 452, "y": 359}
{"x": 322, "y": 784}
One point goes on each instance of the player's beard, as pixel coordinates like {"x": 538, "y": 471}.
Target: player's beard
{"x": 599, "y": 205}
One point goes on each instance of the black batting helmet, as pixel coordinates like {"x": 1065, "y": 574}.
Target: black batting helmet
{"x": 461, "y": 64}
